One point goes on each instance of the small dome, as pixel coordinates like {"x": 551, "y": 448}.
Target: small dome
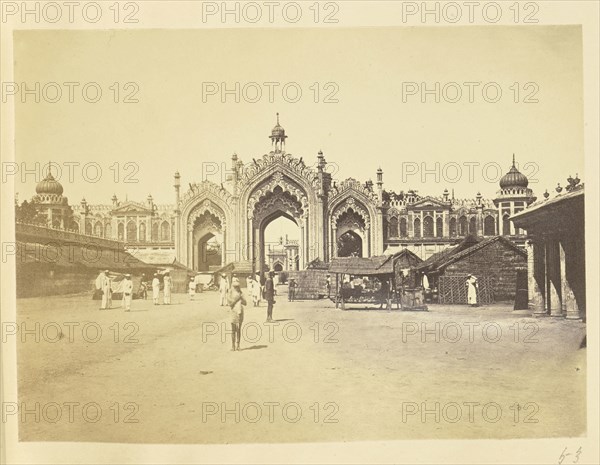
{"x": 514, "y": 178}
{"x": 49, "y": 185}
{"x": 278, "y": 131}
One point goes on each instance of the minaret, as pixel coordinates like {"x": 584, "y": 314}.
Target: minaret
{"x": 380, "y": 184}
{"x": 234, "y": 172}
{"x": 278, "y": 137}
{"x": 177, "y": 186}
{"x": 513, "y": 196}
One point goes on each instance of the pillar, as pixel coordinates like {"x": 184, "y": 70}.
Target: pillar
{"x": 570, "y": 308}
{"x": 333, "y": 242}
{"x": 552, "y": 276}
{"x": 190, "y": 247}
{"x": 445, "y": 224}
{"x": 535, "y": 277}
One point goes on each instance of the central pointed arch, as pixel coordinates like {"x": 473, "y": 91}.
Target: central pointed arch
{"x": 294, "y": 177}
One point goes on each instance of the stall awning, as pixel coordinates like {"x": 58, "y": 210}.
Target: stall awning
{"x": 362, "y": 266}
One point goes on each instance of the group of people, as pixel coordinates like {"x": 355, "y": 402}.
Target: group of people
{"x": 104, "y": 285}
{"x": 155, "y": 285}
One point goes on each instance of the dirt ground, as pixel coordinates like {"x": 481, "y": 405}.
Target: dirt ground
{"x": 164, "y": 374}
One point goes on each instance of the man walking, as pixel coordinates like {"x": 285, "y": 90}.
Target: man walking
{"x": 167, "y": 289}
{"x": 155, "y": 289}
{"x": 292, "y": 290}
{"x": 192, "y": 288}
{"x": 223, "y": 289}
{"x": 106, "y": 291}
{"x": 127, "y": 292}
{"x": 270, "y": 296}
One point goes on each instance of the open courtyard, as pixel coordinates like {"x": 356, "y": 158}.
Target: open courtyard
{"x": 166, "y": 374}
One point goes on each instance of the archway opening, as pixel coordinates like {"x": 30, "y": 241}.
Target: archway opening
{"x": 280, "y": 243}
{"x": 209, "y": 252}
{"x": 350, "y": 245}
{"x": 207, "y": 240}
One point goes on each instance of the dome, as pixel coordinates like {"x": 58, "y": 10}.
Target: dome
{"x": 49, "y": 185}
{"x": 278, "y": 132}
{"x": 514, "y": 178}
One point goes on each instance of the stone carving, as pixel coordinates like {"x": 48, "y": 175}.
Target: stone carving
{"x": 351, "y": 206}
{"x": 204, "y": 208}
{"x": 279, "y": 159}
{"x": 278, "y": 180}
{"x": 274, "y": 201}
{"x": 201, "y": 188}
{"x": 352, "y": 184}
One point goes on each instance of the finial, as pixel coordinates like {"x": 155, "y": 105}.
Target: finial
{"x": 277, "y": 117}
{"x": 514, "y": 160}
{"x": 558, "y": 188}
{"x": 546, "y": 194}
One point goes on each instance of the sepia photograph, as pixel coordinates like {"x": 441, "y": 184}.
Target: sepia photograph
{"x": 255, "y": 232}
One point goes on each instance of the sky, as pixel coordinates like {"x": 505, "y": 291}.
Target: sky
{"x": 368, "y": 111}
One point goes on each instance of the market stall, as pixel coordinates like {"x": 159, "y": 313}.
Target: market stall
{"x": 372, "y": 281}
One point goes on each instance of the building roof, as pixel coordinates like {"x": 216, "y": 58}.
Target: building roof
{"x": 155, "y": 257}
{"x": 317, "y": 264}
{"x": 441, "y": 260}
{"x": 78, "y": 256}
{"x": 405, "y": 253}
{"x": 383, "y": 264}
{"x": 438, "y": 257}
{"x": 243, "y": 267}
{"x": 541, "y": 207}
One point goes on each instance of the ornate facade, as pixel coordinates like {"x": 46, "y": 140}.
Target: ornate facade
{"x": 333, "y": 218}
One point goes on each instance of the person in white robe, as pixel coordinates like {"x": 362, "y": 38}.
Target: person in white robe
{"x": 192, "y": 288}
{"x": 256, "y": 292}
{"x": 155, "y": 289}
{"x": 127, "y": 292}
{"x": 106, "y": 291}
{"x": 167, "y": 284}
{"x": 472, "y": 287}
{"x": 99, "y": 285}
{"x": 223, "y": 290}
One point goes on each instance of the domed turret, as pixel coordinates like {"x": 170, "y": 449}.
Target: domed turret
{"x": 49, "y": 186}
{"x": 278, "y": 131}
{"x": 514, "y": 178}
{"x": 278, "y": 137}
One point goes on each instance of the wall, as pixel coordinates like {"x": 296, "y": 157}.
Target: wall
{"x": 36, "y": 280}
{"x": 498, "y": 261}
{"x": 312, "y": 284}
